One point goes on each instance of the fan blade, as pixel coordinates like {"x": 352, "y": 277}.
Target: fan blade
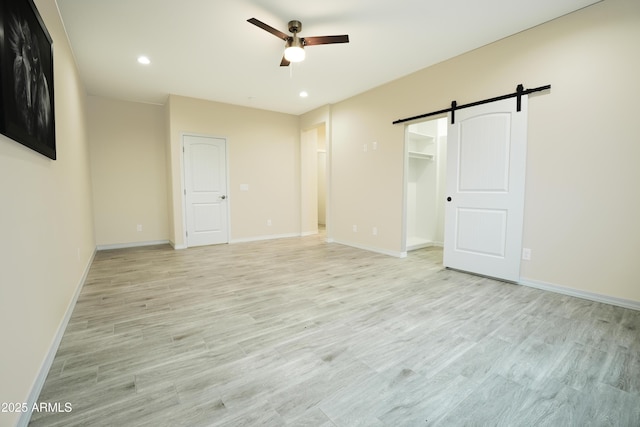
{"x": 310, "y": 41}
{"x": 284, "y": 62}
{"x": 268, "y": 28}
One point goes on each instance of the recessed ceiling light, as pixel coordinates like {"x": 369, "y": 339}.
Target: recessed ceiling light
{"x": 303, "y": 94}
{"x": 144, "y": 60}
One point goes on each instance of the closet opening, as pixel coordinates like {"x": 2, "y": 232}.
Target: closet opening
{"x": 425, "y": 175}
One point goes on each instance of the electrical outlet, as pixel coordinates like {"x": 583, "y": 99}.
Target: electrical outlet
{"x": 526, "y": 254}
{"x": 365, "y": 147}
{"x": 269, "y": 223}
{"x": 355, "y": 228}
{"x": 374, "y": 145}
{"x": 374, "y": 231}
{"x": 139, "y": 227}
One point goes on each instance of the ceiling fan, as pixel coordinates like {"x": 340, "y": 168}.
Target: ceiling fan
{"x": 294, "y": 45}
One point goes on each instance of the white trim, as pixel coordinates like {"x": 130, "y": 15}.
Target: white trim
{"x": 592, "y": 296}
{"x": 419, "y": 246}
{"x": 309, "y": 233}
{"x": 38, "y": 383}
{"x": 268, "y": 237}
{"x": 132, "y": 245}
{"x": 372, "y": 249}
{"x": 177, "y": 247}
{"x": 405, "y": 187}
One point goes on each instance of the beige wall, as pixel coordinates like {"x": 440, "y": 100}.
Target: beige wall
{"x": 582, "y": 204}
{"x": 128, "y": 170}
{"x": 367, "y": 185}
{"x": 263, "y": 150}
{"x": 46, "y": 225}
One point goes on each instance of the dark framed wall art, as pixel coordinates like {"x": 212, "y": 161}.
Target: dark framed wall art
{"x": 26, "y": 77}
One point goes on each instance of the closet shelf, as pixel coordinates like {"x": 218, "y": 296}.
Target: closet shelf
{"x": 420, "y": 155}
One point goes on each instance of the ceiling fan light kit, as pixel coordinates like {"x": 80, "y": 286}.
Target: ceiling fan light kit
{"x": 294, "y": 50}
{"x": 294, "y": 45}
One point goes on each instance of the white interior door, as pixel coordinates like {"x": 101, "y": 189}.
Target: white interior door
{"x": 205, "y": 179}
{"x": 486, "y": 158}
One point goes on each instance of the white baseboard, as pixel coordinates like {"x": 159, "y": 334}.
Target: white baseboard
{"x": 177, "y": 247}
{"x": 592, "y": 296}
{"x": 372, "y": 249}
{"x": 249, "y": 239}
{"x": 132, "y": 245}
{"x": 36, "y": 388}
{"x": 419, "y": 246}
{"x": 267, "y": 237}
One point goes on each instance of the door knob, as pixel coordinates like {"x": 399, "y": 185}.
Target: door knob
{"x": 448, "y": 199}
{"x": 223, "y": 197}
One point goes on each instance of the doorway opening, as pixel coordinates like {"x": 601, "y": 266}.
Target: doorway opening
{"x": 322, "y": 178}
{"x": 314, "y": 180}
{"x": 425, "y": 166}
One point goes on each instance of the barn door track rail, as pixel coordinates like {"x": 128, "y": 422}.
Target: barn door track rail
{"x": 520, "y": 91}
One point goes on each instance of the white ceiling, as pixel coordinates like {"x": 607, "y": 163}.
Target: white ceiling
{"x": 206, "y": 48}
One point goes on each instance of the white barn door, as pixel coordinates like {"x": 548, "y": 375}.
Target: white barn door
{"x": 205, "y": 181}
{"x": 486, "y": 159}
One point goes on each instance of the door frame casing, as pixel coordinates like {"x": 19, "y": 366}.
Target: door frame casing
{"x": 183, "y": 188}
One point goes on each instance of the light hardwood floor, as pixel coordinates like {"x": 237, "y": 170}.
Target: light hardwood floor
{"x": 297, "y": 332}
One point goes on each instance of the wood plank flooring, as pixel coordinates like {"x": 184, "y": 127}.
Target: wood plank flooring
{"x": 297, "y": 332}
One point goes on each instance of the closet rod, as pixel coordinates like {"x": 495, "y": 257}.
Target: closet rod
{"x": 454, "y": 105}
